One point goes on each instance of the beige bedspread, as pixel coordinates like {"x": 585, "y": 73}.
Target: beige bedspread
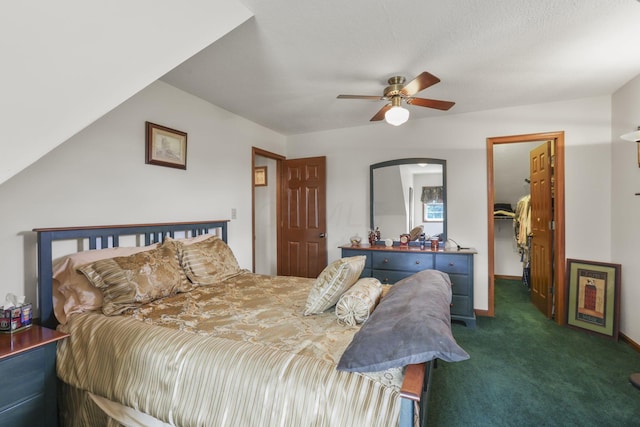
{"x": 248, "y": 358}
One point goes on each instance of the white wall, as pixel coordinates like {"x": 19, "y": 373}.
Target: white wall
{"x": 100, "y": 177}
{"x": 625, "y": 205}
{"x": 66, "y": 63}
{"x": 461, "y": 141}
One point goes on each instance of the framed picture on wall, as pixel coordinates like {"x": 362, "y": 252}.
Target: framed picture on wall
{"x": 166, "y": 146}
{"x": 593, "y": 297}
{"x": 260, "y": 176}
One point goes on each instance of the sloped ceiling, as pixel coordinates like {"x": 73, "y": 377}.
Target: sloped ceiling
{"x": 284, "y": 68}
{"x": 66, "y": 63}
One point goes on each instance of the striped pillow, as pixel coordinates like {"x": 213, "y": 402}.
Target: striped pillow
{"x": 334, "y": 280}
{"x": 208, "y": 261}
{"x": 127, "y": 282}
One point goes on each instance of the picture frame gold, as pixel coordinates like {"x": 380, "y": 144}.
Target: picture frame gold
{"x": 260, "y": 176}
{"x": 593, "y": 297}
{"x": 165, "y": 146}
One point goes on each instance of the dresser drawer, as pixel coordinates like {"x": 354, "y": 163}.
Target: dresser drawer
{"x": 460, "y": 284}
{"x": 405, "y": 261}
{"x": 23, "y": 376}
{"x": 30, "y": 412}
{"x": 366, "y": 272}
{"x": 389, "y": 277}
{"x": 458, "y": 264}
{"x": 461, "y": 305}
{"x": 358, "y": 252}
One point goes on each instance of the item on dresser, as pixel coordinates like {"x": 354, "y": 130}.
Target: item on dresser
{"x": 435, "y": 244}
{"x": 355, "y": 240}
{"x": 15, "y": 315}
{"x": 267, "y": 363}
{"x": 372, "y": 237}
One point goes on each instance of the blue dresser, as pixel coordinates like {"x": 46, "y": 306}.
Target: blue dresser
{"x": 391, "y": 264}
{"x": 28, "y": 381}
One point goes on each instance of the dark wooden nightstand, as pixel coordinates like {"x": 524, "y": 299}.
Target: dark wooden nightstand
{"x": 28, "y": 377}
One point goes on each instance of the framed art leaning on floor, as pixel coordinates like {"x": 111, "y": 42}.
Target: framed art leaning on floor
{"x": 593, "y": 297}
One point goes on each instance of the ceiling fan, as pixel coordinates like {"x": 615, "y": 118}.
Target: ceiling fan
{"x": 393, "y": 112}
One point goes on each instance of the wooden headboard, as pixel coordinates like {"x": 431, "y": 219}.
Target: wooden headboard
{"x": 108, "y": 236}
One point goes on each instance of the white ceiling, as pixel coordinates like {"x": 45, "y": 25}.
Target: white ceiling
{"x": 284, "y": 68}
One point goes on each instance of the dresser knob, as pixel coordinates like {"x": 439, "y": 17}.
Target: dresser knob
{"x": 386, "y": 260}
{"x": 450, "y": 264}
{"x": 418, "y": 261}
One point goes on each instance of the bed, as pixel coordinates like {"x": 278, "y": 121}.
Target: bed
{"x": 201, "y": 342}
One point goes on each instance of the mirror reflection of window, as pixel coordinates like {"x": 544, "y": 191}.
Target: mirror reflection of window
{"x": 432, "y": 212}
{"x": 432, "y": 204}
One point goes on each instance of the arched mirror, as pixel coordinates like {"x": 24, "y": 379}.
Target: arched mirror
{"x": 408, "y": 193}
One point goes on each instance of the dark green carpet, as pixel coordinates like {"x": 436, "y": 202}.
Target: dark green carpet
{"x": 525, "y": 370}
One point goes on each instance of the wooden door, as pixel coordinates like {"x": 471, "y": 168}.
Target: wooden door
{"x": 303, "y": 248}
{"x": 541, "y": 249}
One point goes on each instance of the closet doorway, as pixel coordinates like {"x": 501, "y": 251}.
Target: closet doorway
{"x": 549, "y": 247}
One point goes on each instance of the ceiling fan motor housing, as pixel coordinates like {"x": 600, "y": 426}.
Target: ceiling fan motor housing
{"x": 396, "y": 84}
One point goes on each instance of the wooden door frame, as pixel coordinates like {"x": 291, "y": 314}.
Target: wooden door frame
{"x": 255, "y": 151}
{"x": 559, "y": 292}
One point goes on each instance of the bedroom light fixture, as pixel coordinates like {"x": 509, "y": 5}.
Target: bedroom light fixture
{"x": 632, "y": 136}
{"x": 396, "y": 115}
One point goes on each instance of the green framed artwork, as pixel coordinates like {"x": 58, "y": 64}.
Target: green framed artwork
{"x": 593, "y": 297}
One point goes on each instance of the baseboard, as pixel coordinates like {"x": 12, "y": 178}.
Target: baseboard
{"x": 482, "y": 312}
{"x": 631, "y": 342}
{"x": 505, "y": 277}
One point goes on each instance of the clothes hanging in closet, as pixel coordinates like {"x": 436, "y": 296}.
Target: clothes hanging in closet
{"x": 522, "y": 230}
{"x": 522, "y": 221}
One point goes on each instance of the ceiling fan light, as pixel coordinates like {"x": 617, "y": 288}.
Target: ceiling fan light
{"x": 396, "y": 115}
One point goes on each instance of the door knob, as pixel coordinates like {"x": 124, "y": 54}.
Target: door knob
{"x": 323, "y": 235}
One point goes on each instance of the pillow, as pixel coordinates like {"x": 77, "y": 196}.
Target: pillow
{"x": 72, "y": 292}
{"x": 332, "y": 282}
{"x": 410, "y": 325}
{"x": 416, "y": 232}
{"x": 208, "y": 261}
{"x": 127, "y": 282}
{"x": 357, "y": 303}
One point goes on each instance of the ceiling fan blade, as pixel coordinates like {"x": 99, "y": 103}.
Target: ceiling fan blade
{"x": 372, "y": 98}
{"x": 423, "y": 81}
{"x": 380, "y": 114}
{"x": 430, "y": 103}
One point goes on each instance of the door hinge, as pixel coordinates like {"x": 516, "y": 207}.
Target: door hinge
{"x": 552, "y": 225}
